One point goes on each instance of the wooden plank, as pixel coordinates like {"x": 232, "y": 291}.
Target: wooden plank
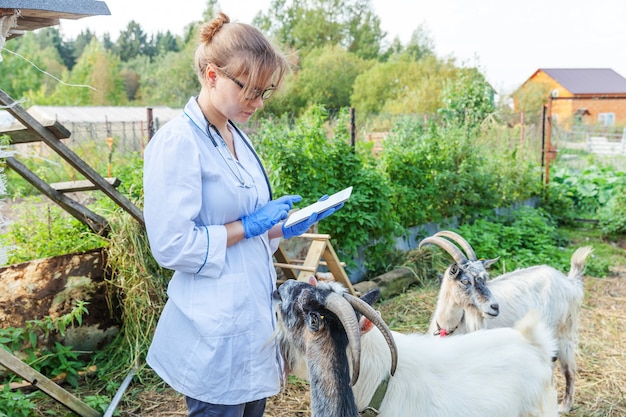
{"x": 313, "y": 258}
{"x": 281, "y": 257}
{"x": 296, "y": 267}
{"x": 301, "y": 261}
{"x": 69, "y": 156}
{"x": 39, "y": 381}
{"x": 82, "y": 185}
{"x": 95, "y": 222}
{"x": 20, "y": 134}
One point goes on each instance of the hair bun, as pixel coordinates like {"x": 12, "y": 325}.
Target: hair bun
{"x": 210, "y": 29}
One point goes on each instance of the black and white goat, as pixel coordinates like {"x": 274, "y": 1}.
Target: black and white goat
{"x": 469, "y": 300}
{"x": 500, "y": 372}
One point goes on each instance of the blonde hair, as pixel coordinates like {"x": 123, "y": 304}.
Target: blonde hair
{"x": 240, "y": 50}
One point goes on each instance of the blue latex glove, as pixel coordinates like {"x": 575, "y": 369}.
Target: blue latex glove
{"x": 263, "y": 219}
{"x": 300, "y": 228}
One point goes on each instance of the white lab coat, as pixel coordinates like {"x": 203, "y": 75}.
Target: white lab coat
{"x": 211, "y": 342}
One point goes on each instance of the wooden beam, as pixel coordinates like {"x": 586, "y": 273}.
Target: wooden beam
{"x": 282, "y": 258}
{"x": 66, "y": 153}
{"x": 296, "y": 267}
{"x": 20, "y": 134}
{"x": 39, "y": 381}
{"x": 83, "y": 185}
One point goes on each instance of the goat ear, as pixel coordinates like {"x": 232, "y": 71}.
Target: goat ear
{"x": 488, "y": 262}
{"x": 365, "y": 325}
{"x": 313, "y": 280}
{"x": 371, "y": 296}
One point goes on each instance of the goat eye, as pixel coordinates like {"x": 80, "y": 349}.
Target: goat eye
{"x": 464, "y": 281}
{"x": 314, "y": 321}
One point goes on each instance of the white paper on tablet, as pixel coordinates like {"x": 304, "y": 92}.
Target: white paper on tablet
{"x": 318, "y": 207}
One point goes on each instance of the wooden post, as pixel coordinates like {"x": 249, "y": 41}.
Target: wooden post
{"x": 521, "y": 132}
{"x": 548, "y": 145}
{"x": 352, "y": 128}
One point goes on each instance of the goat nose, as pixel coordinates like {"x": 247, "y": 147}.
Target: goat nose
{"x": 495, "y": 307}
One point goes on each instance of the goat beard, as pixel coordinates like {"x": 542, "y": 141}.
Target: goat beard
{"x": 292, "y": 356}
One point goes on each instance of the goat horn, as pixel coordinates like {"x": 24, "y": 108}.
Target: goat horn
{"x": 367, "y": 310}
{"x": 454, "y": 251}
{"x": 461, "y": 241}
{"x": 338, "y": 305}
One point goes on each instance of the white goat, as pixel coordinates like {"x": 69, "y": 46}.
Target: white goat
{"x": 469, "y": 301}
{"x": 497, "y": 373}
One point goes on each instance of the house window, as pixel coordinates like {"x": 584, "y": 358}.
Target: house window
{"x": 606, "y": 119}
{"x": 554, "y": 93}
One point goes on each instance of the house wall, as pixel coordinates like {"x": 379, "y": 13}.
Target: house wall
{"x": 563, "y": 111}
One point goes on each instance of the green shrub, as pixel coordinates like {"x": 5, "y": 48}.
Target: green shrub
{"x": 522, "y": 238}
{"x": 589, "y": 190}
{"x": 612, "y": 217}
{"x": 16, "y": 403}
{"x": 312, "y": 158}
{"x": 43, "y": 230}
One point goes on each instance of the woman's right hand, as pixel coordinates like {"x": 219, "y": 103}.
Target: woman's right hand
{"x": 267, "y": 216}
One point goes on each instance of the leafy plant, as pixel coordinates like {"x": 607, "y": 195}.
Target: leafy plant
{"x": 99, "y": 403}
{"x": 40, "y": 233}
{"x": 34, "y": 338}
{"x": 522, "y": 238}
{"x": 15, "y": 403}
{"x": 589, "y": 189}
{"x": 612, "y": 216}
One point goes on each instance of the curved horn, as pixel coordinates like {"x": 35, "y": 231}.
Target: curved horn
{"x": 367, "y": 310}
{"x": 338, "y": 305}
{"x": 455, "y": 252}
{"x": 461, "y": 241}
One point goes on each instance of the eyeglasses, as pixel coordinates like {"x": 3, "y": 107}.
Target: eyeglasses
{"x": 264, "y": 94}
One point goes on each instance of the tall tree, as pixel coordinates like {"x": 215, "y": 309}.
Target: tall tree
{"x": 166, "y": 42}
{"x": 327, "y": 76}
{"x": 403, "y": 86}
{"x": 468, "y": 99}
{"x": 83, "y": 39}
{"x": 24, "y": 73}
{"x": 100, "y": 71}
{"x": 421, "y": 44}
{"x": 132, "y": 42}
{"x": 306, "y": 24}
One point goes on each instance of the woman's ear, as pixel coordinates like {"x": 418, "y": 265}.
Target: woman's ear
{"x": 210, "y": 75}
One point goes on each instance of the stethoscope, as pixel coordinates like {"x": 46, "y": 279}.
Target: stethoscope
{"x": 228, "y": 157}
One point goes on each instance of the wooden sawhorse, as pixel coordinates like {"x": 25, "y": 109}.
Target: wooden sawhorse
{"x": 320, "y": 248}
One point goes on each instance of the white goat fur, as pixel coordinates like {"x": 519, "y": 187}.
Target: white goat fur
{"x": 488, "y": 373}
{"x": 500, "y": 372}
{"x": 558, "y": 298}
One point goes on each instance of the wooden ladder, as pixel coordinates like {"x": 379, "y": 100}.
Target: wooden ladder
{"x": 54, "y": 391}
{"x": 320, "y": 248}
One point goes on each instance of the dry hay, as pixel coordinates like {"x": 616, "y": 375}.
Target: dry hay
{"x": 601, "y": 356}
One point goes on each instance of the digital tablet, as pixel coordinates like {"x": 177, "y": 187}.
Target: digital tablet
{"x": 318, "y": 207}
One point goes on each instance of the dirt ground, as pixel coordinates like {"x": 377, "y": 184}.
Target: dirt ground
{"x": 600, "y": 385}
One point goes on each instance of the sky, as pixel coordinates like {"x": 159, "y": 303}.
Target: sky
{"x": 507, "y": 40}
